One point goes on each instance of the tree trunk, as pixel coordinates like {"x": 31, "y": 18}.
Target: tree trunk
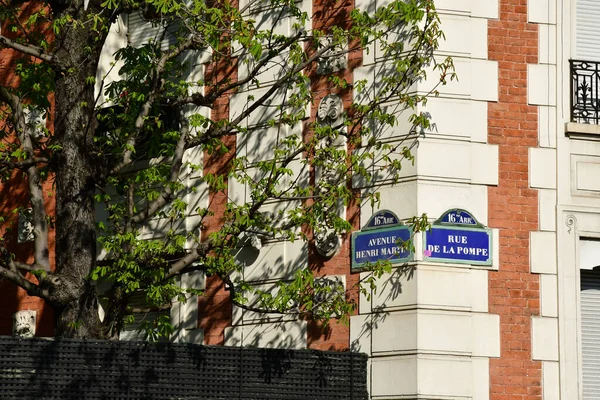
{"x": 76, "y": 177}
{"x": 79, "y": 318}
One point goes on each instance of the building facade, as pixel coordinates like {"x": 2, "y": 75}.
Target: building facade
{"x": 515, "y": 144}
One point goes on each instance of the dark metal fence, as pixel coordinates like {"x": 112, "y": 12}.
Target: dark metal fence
{"x": 75, "y": 369}
{"x": 585, "y": 101}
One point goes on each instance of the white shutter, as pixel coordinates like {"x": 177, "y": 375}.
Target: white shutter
{"x": 590, "y": 333}
{"x": 130, "y": 332}
{"x": 141, "y": 31}
{"x": 108, "y": 67}
{"x": 588, "y": 30}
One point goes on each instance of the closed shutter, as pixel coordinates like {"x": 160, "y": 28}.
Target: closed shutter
{"x": 131, "y": 331}
{"x": 588, "y": 30}
{"x": 141, "y": 31}
{"x": 590, "y": 333}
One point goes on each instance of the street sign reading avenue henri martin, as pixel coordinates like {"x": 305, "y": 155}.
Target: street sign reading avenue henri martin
{"x": 381, "y": 239}
{"x": 457, "y": 237}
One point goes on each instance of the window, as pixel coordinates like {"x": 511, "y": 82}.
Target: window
{"x": 585, "y": 65}
{"x": 590, "y": 317}
{"x": 587, "y": 46}
{"x": 143, "y": 28}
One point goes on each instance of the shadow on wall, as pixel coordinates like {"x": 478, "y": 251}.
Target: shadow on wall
{"x": 275, "y": 261}
{"x": 271, "y": 335}
{"x": 214, "y": 310}
{"x": 392, "y": 284}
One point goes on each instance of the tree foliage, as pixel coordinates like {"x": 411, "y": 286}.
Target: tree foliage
{"x": 125, "y": 162}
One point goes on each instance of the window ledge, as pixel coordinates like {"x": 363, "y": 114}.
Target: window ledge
{"x": 582, "y": 131}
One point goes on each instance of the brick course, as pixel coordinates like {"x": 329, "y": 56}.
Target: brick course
{"x": 336, "y": 336}
{"x": 512, "y": 205}
{"x": 214, "y": 307}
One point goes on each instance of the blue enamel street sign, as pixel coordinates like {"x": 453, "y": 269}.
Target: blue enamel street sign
{"x": 380, "y": 245}
{"x": 457, "y": 237}
{"x": 458, "y": 245}
{"x": 381, "y": 240}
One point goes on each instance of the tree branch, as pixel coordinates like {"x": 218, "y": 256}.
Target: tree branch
{"x": 257, "y": 68}
{"x": 207, "y": 101}
{"x": 34, "y": 51}
{"x": 232, "y": 293}
{"x": 201, "y": 249}
{"x": 5, "y": 164}
{"x": 196, "y": 99}
{"x": 204, "y": 248}
{"x": 9, "y": 271}
{"x": 19, "y": 280}
{"x": 280, "y": 83}
{"x": 157, "y": 84}
{"x": 36, "y": 195}
{"x": 25, "y": 267}
{"x": 166, "y": 193}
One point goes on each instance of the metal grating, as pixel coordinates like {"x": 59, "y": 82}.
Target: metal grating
{"x": 585, "y": 81}
{"x": 76, "y": 369}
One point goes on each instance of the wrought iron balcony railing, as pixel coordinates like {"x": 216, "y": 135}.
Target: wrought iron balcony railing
{"x": 585, "y": 92}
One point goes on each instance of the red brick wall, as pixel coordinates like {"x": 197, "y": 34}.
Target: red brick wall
{"x": 214, "y": 307}
{"x": 513, "y": 206}
{"x": 14, "y": 194}
{"x": 336, "y": 336}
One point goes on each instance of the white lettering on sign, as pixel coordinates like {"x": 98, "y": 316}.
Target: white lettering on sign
{"x": 367, "y": 253}
{"x": 382, "y": 220}
{"x": 390, "y": 251}
{"x": 460, "y": 219}
{"x": 471, "y": 251}
{"x": 382, "y": 241}
{"x": 380, "y": 246}
{"x": 457, "y": 239}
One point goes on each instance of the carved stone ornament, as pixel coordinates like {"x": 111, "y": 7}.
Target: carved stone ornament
{"x": 250, "y": 245}
{"x": 24, "y": 323}
{"x": 570, "y": 221}
{"x": 333, "y": 59}
{"x": 25, "y": 227}
{"x": 331, "y": 111}
{"x": 34, "y": 118}
{"x": 328, "y": 243}
{"x": 328, "y": 176}
{"x": 255, "y": 242}
{"x": 336, "y": 284}
{"x": 251, "y": 240}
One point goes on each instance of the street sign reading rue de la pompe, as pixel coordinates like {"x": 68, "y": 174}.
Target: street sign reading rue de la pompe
{"x": 381, "y": 239}
{"x": 457, "y": 237}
